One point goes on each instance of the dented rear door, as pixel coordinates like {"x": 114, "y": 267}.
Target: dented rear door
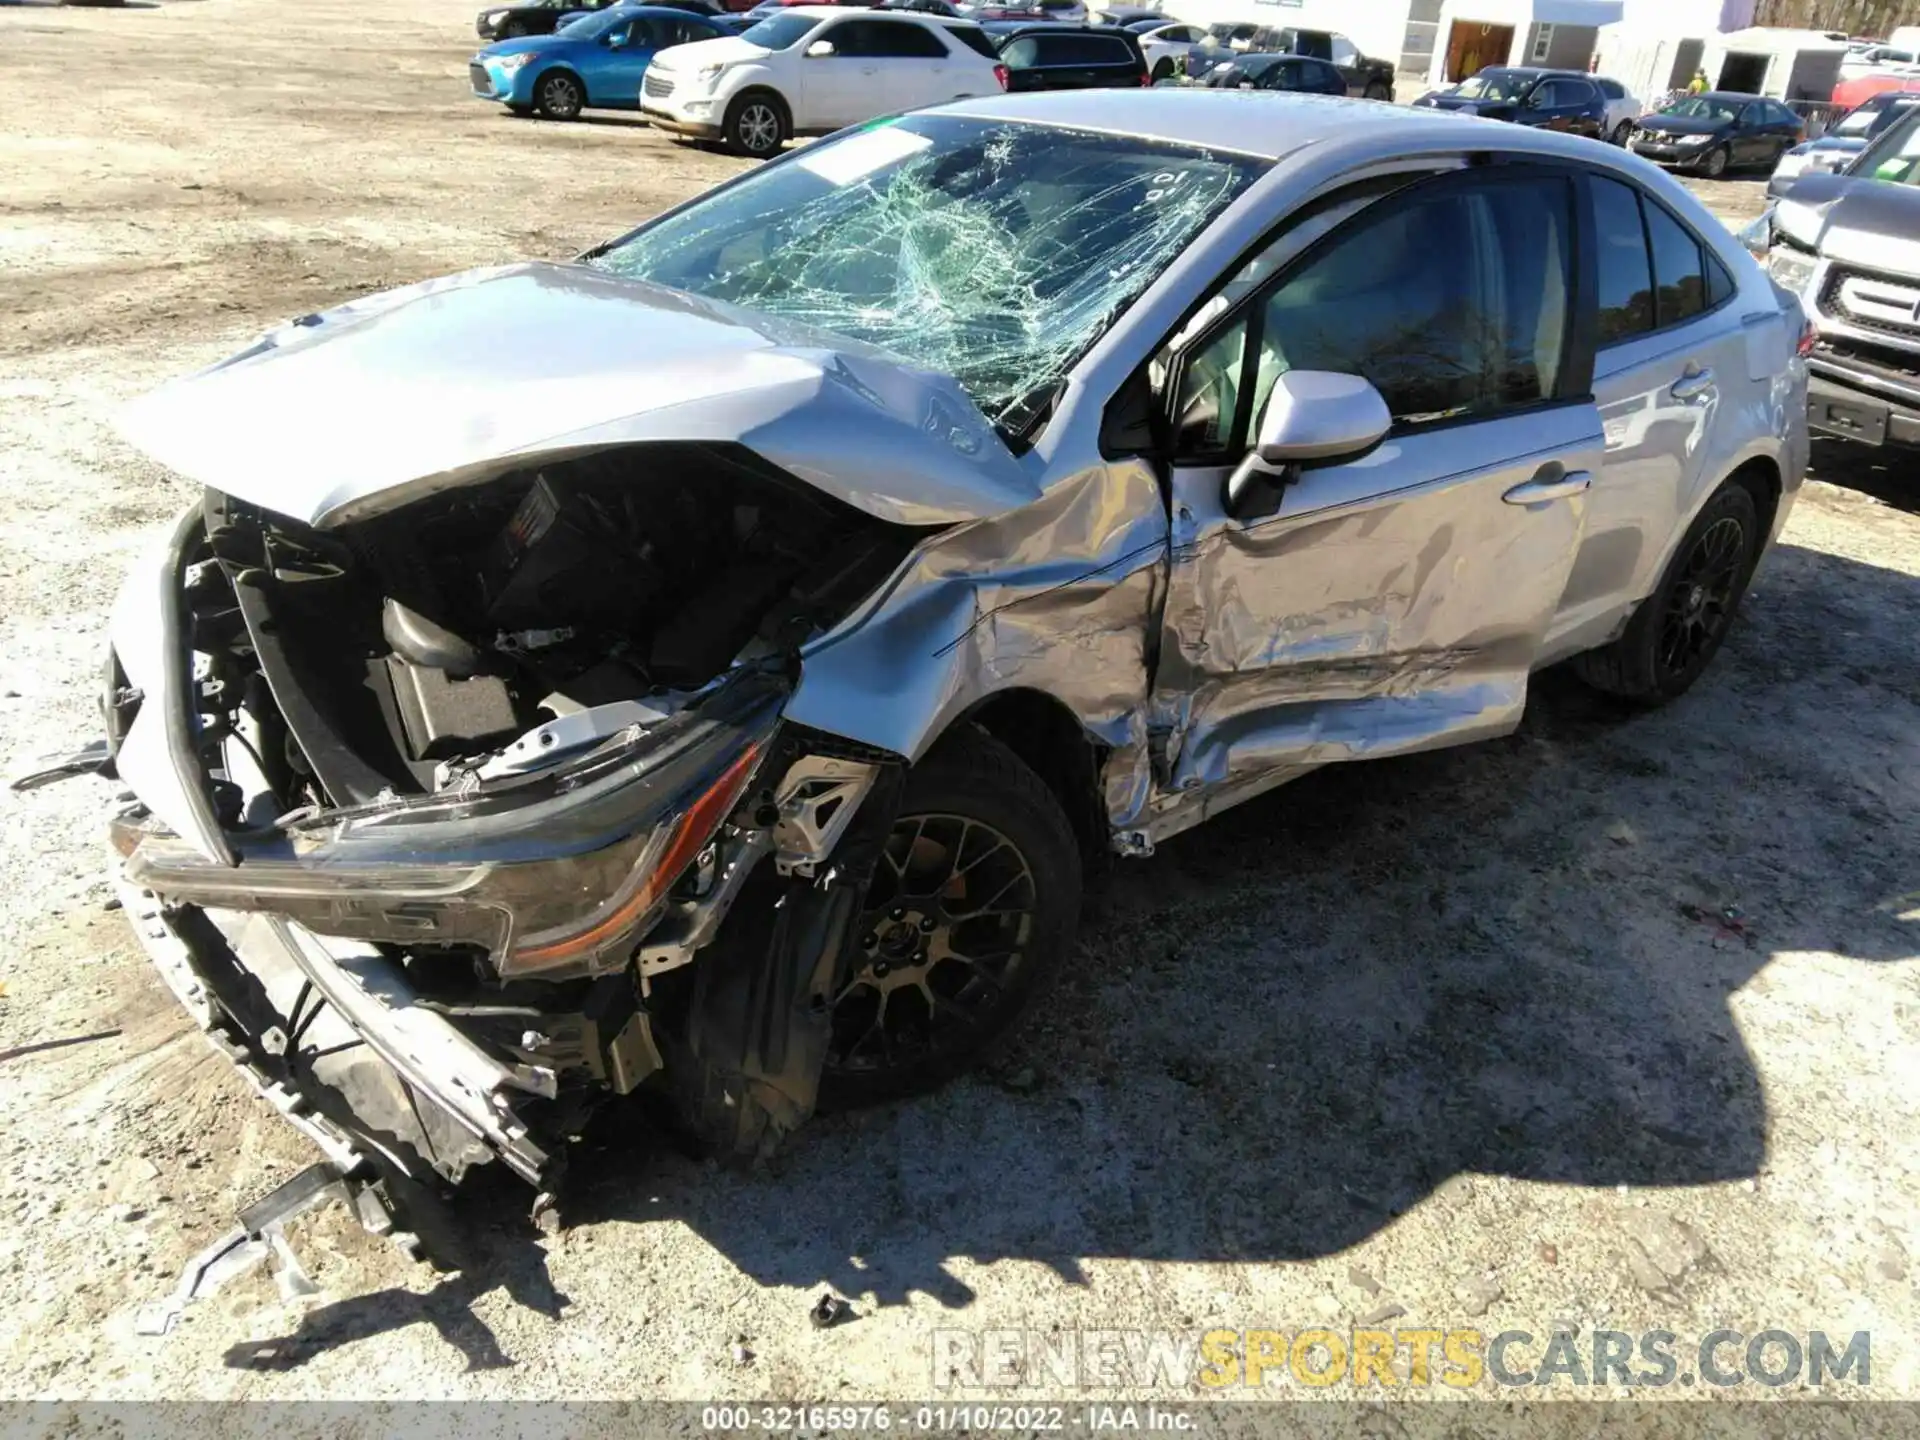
{"x": 1396, "y": 601}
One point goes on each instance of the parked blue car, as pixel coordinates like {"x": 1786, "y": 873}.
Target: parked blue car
{"x": 595, "y": 62}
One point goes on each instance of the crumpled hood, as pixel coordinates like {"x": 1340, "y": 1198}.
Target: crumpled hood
{"x": 372, "y": 405}
{"x": 1870, "y": 223}
{"x": 1472, "y": 106}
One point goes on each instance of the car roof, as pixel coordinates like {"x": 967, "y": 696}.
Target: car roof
{"x": 1060, "y": 27}
{"x": 1221, "y": 119}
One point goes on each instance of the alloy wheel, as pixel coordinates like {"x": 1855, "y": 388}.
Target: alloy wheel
{"x": 945, "y": 932}
{"x": 559, "y": 97}
{"x": 758, "y": 128}
{"x": 1699, "y": 603}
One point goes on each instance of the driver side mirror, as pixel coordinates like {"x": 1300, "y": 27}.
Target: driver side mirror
{"x": 820, "y": 50}
{"x": 1312, "y": 416}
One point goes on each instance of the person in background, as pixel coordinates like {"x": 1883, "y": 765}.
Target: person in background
{"x": 1697, "y": 85}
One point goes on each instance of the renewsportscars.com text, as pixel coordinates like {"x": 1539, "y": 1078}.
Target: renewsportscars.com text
{"x": 1225, "y": 1360}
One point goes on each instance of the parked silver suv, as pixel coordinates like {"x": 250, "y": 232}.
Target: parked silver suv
{"x": 717, "y": 665}
{"x": 1849, "y": 245}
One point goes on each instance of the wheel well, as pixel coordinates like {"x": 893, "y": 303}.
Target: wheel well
{"x": 1761, "y": 478}
{"x": 1051, "y": 742}
{"x": 779, "y": 102}
{"x": 552, "y": 70}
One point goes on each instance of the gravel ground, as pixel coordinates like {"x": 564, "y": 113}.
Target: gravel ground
{"x": 1463, "y": 1035}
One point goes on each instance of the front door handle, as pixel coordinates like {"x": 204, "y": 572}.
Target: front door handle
{"x": 1692, "y": 385}
{"x": 1549, "y": 482}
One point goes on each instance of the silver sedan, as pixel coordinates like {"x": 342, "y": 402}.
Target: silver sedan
{"x": 715, "y": 664}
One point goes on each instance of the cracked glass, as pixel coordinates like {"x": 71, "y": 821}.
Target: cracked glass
{"x": 991, "y": 251}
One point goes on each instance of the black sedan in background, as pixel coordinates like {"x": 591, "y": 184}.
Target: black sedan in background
{"x": 529, "y": 17}
{"x": 1070, "y": 57}
{"x": 1298, "y": 73}
{"x": 1550, "y": 99}
{"x": 1717, "y": 131}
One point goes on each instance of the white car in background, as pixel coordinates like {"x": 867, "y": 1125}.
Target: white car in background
{"x": 1166, "y": 46}
{"x": 1623, "y": 108}
{"x": 814, "y": 69}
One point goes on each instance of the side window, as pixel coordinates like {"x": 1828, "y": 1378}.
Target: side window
{"x": 905, "y": 38}
{"x": 974, "y": 38}
{"x": 640, "y": 35}
{"x": 1780, "y": 114}
{"x": 1021, "y": 54}
{"x": 1344, "y": 52}
{"x": 854, "y": 38}
{"x": 1453, "y": 304}
{"x": 1545, "y": 96}
{"x": 1625, "y": 276}
{"x": 1181, "y": 35}
{"x": 1679, "y": 285}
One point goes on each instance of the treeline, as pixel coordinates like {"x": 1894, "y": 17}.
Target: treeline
{"x": 1856, "y": 17}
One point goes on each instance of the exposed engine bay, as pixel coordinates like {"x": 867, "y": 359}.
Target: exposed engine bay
{"x": 484, "y": 774}
{"x": 493, "y": 630}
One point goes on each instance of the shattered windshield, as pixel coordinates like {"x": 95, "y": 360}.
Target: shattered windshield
{"x": 995, "y": 252}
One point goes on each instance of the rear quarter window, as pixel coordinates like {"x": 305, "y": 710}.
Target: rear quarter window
{"x": 974, "y": 38}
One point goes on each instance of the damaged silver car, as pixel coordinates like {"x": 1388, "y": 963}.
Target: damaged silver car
{"x": 716, "y": 666}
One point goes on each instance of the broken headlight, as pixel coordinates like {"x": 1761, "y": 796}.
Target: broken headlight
{"x": 555, "y": 874}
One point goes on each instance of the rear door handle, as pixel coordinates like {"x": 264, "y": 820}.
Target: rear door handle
{"x": 1692, "y": 385}
{"x": 1549, "y": 482}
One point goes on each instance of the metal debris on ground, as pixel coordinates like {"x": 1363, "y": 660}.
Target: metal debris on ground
{"x": 1728, "y": 921}
{"x": 830, "y": 1310}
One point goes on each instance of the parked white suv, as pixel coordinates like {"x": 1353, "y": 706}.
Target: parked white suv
{"x": 812, "y": 69}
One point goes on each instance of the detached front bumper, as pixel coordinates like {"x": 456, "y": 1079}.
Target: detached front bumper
{"x": 332, "y": 1036}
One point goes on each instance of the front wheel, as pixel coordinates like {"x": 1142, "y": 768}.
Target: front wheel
{"x": 1622, "y": 133}
{"x": 1163, "y": 71}
{"x": 973, "y": 904}
{"x": 1679, "y": 628}
{"x": 1718, "y": 161}
{"x": 559, "y": 96}
{"x": 1378, "y": 91}
{"x": 755, "y": 127}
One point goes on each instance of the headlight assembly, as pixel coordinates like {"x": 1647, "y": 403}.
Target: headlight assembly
{"x": 511, "y": 63}
{"x": 1790, "y": 267}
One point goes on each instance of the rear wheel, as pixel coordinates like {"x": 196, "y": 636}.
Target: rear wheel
{"x": 972, "y": 906}
{"x": 756, "y": 125}
{"x": 1162, "y": 71}
{"x": 1622, "y": 133}
{"x": 1680, "y": 627}
{"x": 559, "y": 96}
{"x": 1376, "y": 90}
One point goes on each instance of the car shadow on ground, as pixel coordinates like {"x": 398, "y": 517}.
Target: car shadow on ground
{"x": 1891, "y": 475}
{"x": 1288, "y": 1027}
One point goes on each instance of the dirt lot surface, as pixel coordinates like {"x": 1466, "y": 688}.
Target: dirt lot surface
{"x": 1611, "y": 1024}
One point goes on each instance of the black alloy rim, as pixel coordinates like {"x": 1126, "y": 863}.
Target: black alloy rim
{"x": 1700, "y": 602}
{"x": 945, "y": 932}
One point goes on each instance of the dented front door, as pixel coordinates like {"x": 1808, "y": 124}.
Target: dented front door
{"x": 1396, "y": 601}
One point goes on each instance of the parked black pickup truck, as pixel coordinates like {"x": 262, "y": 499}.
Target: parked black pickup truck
{"x": 1229, "y": 41}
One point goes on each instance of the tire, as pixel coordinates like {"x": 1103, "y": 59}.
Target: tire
{"x": 756, "y": 125}
{"x": 513, "y": 30}
{"x": 1163, "y": 71}
{"x": 973, "y": 816}
{"x": 559, "y": 95}
{"x": 1377, "y": 91}
{"x": 1679, "y": 628}
{"x": 1622, "y": 133}
{"x": 1718, "y": 161}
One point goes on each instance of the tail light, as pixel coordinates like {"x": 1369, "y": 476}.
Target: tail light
{"x": 1001, "y": 74}
{"x": 1808, "y": 338}
{"x": 1146, "y": 80}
